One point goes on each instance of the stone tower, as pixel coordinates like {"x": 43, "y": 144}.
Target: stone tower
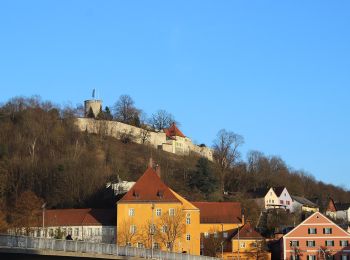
{"x": 94, "y": 104}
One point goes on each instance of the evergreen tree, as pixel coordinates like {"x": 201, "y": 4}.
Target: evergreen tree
{"x": 203, "y": 177}
{"x": 90, "y": 114}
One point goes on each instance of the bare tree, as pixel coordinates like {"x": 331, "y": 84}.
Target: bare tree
{"x": 127, "y": 233}
{"x": 26, "y": 212}
{"x": 226, "y": 152}
{"x": 258, "y": 250}
{"x": 125, "y": 110}
{"x": 171, "y": 228}
{"x": 161, "y": 119}
{"x": 212, "y": 243}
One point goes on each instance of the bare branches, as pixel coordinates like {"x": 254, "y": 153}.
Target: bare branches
{"x": 226, "y": 151}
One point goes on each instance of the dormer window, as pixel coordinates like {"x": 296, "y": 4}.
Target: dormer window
{"x": 160, "y": 194}
{"x": 135, "y": 194}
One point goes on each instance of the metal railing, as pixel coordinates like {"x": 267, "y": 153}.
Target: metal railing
{"x": 37, "y": 243}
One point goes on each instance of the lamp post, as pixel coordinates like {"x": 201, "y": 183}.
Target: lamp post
{"x": 43, "y": 208}
{"x": 152, "y": 230}
{"x": 238, "y": 243}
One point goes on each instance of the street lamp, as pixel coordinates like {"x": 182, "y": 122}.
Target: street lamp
{"x": 152, "y": 231}
{"x": 43, "y": 208}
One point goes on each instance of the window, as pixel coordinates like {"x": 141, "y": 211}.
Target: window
{"x": 97, "y": 231}
{"x": 215, "y": 234}
{"x": 152, "y": 229}
{"x": 70, "y": 231}
{"x": 188, "y": 220}
{"x": 312, "y": 230}
{"x": 188, "y": 237}
{"x": 139, "y": 245}
{"x": 131, "y": 212}
{"x": 242, "y": 244}
{"x": 344, "y": 243}
{"x": 310, "y": 243}
{"x": 273, "y": 201}
{"x": 327, "y": 230}
{"x": 155, "y": 245}
{"x": 281, "y": 201}
{"x": 344, "y": 257}
{"x": 206, "y": 234}
{"x": 311, "y": 257}
{"x": 89, "y": 232}
{"x": 168, "y": 244}
{"x": 287, "y": 202}
{"x": 329, "y": 243}
{"x": 164, "y": 228}
{"x": 294, "y": 257}
{"x": 171, "y": 212}
{"x": 128, "y": 244}
{"x": 51, "y": 232}
{"x": 225, "y": 234}
{"x": 132, "y": 229}
{"x": 158, "y": 212}
{"x": 76, "y": 232}
{"x": 294, "y": 243}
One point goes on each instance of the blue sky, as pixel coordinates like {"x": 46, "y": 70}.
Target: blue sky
{"x": 276, "y": 72}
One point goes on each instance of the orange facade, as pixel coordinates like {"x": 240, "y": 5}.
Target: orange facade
{"x": 316, "y": 238}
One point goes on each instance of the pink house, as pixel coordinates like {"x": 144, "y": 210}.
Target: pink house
{"x": 317, "y": 237}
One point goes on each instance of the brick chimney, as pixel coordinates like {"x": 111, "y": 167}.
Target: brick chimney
{"x": 150, "y": 162}
{"x": 158, "y": 170}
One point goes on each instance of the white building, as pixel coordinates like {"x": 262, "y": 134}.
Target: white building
{"x": 340, "y": 211}
{"x": 278, "y": 197}
{"x": 95, "y": 225}
{"x": 304, "y": 205}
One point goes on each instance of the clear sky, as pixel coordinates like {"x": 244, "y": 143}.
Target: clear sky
{"x": 276, "y": 72}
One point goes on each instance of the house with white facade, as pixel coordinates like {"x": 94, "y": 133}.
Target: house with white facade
{"x": 340, "y": 211}
{"x": 304, "y": 205}
{"x": 94, "y": 225}
{"x": 278, "y": 198}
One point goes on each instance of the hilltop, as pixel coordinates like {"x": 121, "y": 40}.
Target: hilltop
{"x": 43, "y": 151}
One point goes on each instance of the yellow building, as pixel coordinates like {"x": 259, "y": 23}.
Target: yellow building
{"x": 246, "y": 244}
{"x": 150, "y": 213}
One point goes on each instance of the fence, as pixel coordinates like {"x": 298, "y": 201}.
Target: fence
{"x": 36, "y": 243}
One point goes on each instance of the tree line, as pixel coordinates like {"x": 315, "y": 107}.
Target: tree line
{"x": 45, "y": 158}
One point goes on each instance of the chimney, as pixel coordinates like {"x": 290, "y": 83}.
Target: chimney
{"x": 243, "y": 219}
{"x": 150, "y": 162}
{"x": 158, "y": 170}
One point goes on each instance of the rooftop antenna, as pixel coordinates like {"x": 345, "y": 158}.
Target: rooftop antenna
{"x": 93, "y": 94}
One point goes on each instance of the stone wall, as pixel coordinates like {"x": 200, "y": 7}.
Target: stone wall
{"x": 183, "y": 146}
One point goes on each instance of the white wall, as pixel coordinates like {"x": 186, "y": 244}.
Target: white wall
{"x": 100, "y": 234}
{"x": 182, "y": 146}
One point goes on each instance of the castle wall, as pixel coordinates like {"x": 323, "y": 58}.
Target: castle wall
{"x": 183, "y": 146}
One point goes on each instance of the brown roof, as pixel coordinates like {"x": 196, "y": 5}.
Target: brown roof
{"x": 79, "y": 217}
{"x": 219, "y": 212}
{"x": 173, "y": 131}
{"x": 246, "y": 232}
{"x": 149, "y": 187}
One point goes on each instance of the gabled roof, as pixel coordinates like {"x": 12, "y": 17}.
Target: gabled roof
{"x": 173, "y": 131}
{"x": 246, "y": 232}
{"x": 342, "y": 206}
{"x": 149, "y": 188}
{"x": 317, "y": 218}
{"x": 219, "y": 212}
{"x": 304, "y": 201}
{"x": 79, "y": 217}
{"x": 278, "y": 190}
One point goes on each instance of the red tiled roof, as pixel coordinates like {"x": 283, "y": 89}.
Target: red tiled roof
{"x": 173, "y": 131}
{"x": 79, "y": 217}
{"x": 247, "y": 232}
{"x": 149, "y": 187}
{"x": 219, "y": 212}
